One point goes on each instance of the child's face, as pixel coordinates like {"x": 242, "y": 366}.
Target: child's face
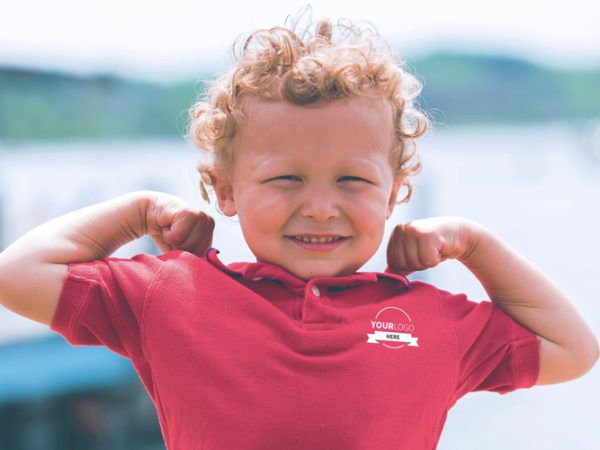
{"x": 322, "y": 171}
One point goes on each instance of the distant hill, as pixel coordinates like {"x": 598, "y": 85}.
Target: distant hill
{"x": 36, "y": 105}
{"x": 468, "y": 88}
{"x": 458, "y": 89}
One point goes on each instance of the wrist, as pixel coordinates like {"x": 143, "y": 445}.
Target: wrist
{"x": 124, "y": 219}
{"x": 138, "y": 204}
{"x": 473, "y": 234}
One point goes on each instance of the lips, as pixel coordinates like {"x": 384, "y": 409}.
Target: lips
{"x": 323, "y": 246}
{"x": 316, "y": 238}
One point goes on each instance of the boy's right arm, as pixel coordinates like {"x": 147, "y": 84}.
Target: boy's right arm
{"x": 33, "y": 268}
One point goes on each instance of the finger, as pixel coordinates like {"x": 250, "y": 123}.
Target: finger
{"x": 393, "y": 250}
{"x": 404, "y": 273}
{"x": 187, "y": 229}
{"x": 161, "y": 244}
{"x": 428, "y": 252}
{"x": 396, "y": 253}
{"x": 207, "y": 237}
{"x": 179, "y": 229}
{"x": 200, "y": 236}
{"x": 204, "y": 245}
{"x": 411, "y": 252}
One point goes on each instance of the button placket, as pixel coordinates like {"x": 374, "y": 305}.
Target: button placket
{"x": 316, "y": 309}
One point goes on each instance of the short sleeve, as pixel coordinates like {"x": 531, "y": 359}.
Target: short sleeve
{"x": 494, "y": 352}
{"x": 101, "y": 302}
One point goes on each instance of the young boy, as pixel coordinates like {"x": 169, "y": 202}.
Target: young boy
{"x": 310, "y": 143}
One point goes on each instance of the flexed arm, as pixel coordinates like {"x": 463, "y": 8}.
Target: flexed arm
{"x": 32, "y": 269}
{"x": 568, "y": 346}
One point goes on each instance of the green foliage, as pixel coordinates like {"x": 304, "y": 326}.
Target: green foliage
{"x": 466, "y": 89}
{"x": 38, "y": 105}
{"x": 457, "y": 89}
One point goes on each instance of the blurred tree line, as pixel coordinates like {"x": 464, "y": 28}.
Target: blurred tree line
{"x": 458, "y": 89}
{"x": 469, "y": 88}
{"x": 46, "y": 105}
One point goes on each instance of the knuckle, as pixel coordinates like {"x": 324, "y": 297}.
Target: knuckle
{"x": 429, "y": 260}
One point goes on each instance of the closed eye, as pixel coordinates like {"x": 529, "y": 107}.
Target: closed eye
{"x": 295, "y": 178}
{"x": 349, "y": 178}
{"x": 286, "y": 177}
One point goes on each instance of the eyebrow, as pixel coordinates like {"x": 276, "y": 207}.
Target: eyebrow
{"x": 362, "y": 161}
{"x": 270, "y": 162}
{"x": 286, "y": 160}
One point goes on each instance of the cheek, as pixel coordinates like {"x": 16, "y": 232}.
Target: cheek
{"x": 260, "y": 211}
{"x": 369, "y": 217}
{"x": 261, "y": 198}
{"x": 371, "y": 205}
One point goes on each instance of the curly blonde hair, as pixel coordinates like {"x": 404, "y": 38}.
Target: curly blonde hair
{"x": 307, "y": 68}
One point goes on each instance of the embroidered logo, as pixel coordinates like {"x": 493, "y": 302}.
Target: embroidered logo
{"x": 392, "y": 325}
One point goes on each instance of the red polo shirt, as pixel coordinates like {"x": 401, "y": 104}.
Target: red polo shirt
{"x": 249, "y": 356}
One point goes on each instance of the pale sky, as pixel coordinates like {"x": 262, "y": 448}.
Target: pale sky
{"x": 171, "y": 38}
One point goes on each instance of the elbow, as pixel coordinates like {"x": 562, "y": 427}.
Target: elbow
{"x": 559, "y": 364}
{"x": 589, "y": 359}
{"x": 3, "y": 281}
{"x": 595, "y": 354}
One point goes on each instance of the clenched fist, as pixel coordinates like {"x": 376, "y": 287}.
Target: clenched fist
{"x": 425, "y": 243}
{"x": 175, "y": 225}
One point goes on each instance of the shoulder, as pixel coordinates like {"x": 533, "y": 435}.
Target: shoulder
{"x": 434, "y": 291}
{"x": 140, "y": 269}
{"x": 173, "y": 258}
{"x": 176, "y": 265}
{"x": 456, "y": 306}
{"x": 453, "y": 298}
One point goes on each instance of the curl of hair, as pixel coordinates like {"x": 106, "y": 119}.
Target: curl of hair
{"x": 320, "y": 64}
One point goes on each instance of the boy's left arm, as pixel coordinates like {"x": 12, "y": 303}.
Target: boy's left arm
{"x": 568, "y": 346}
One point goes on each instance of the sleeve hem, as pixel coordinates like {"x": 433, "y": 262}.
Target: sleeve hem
{"x": 528, "y": 365}
{"x": 74, "y": 289}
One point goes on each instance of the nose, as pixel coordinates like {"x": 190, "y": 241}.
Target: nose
{"x": 320, "y": 205}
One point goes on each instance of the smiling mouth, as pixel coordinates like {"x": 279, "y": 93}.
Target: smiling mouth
{"x": 316, "y": 240}
{"x": 318, "y": 244}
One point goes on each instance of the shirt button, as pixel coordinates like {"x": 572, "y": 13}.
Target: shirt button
{"x": 315, "y": 290}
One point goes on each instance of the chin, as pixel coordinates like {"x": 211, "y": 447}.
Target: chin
{"x": 327, "y": 272}
{"x": 308, "y": 274}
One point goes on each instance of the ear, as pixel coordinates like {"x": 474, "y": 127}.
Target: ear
{"x": 393, "y": 196}
{"x": 225, "y": 199}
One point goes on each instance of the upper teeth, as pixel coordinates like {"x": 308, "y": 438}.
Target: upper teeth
{"x": 305, "y": 239}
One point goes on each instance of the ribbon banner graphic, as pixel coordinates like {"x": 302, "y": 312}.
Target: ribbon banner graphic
{"x": 378, "y": 336}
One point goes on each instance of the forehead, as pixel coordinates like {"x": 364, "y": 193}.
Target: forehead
{"x": 354, "y": 127}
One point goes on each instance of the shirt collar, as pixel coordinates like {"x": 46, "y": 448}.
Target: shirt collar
{"x": 249, "y": 271}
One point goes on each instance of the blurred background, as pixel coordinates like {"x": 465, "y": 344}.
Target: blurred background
{"x": 93, "y": 100}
